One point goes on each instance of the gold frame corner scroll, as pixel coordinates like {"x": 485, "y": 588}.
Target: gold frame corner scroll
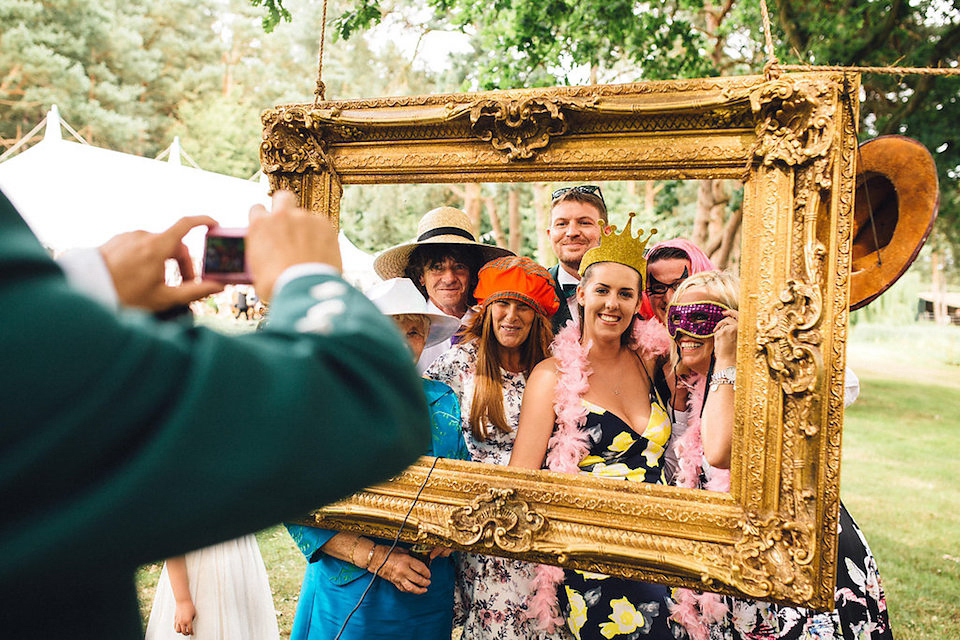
{"x": 793, "y": 138}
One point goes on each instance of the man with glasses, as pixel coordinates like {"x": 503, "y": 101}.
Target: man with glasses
{"x": 669, "y": 263}
{"x": 577, "y": 216}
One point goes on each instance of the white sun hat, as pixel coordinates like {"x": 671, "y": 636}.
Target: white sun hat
{"x": 397, "y": 296}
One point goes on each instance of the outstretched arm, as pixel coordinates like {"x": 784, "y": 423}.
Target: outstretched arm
{"x": 102, "y": 408}
{"x": 537, "y": 417}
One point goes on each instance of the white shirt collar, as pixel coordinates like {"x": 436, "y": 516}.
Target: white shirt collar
{"x": 563, "y": 277}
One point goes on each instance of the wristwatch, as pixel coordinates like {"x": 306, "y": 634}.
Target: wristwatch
{"x": 727, "y": 375}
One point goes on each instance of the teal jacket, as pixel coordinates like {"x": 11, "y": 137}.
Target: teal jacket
{"x": 331, "y": 587}
{"x": 123, "y": 441}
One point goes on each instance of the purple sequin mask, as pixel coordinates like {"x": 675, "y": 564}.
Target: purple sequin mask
{"x": 696, "y": 319}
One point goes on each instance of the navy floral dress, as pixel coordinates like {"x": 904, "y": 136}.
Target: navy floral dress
{"x": 601, "y": 606}
{"x": 861, "y": 607}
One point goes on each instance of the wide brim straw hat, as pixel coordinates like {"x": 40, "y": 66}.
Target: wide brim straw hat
{"x": 440, "y": 226}
{"x": 398, "y": 296}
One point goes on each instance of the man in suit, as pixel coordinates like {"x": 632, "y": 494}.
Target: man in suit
{"x": 124, "y": 440}
{"x": 577, "y": 216}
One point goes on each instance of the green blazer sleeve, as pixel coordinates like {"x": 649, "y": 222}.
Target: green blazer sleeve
{"x": 123, "y": 440}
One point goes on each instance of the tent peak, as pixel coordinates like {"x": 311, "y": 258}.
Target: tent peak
{"x": 52, "y": 131}
{"x": 175, "y": 150}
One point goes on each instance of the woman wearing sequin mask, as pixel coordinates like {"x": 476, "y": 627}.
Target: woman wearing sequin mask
{"x": 702, "y": 319}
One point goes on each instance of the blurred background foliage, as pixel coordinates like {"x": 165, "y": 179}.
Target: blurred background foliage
{"x": 132, "y": 75}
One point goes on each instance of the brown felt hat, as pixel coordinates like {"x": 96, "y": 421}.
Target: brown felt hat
{"x": 897, "y": 181}
{"x": 443, "y": 226}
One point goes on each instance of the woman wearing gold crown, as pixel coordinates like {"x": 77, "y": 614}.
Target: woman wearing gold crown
{"x": 593, "y": 408}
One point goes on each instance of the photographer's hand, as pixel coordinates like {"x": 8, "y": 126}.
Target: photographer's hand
{"x": 136, "y": 262}
{"x": 285, "y": 237}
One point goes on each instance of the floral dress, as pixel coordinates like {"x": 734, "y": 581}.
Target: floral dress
{"x": 490, "y": 600}
{"x": 860, "y": 611}
{"x": 601, "y": 606}
{"x": 861, "y": 607}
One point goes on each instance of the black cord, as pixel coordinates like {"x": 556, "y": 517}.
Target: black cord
{"x": 706, "y": 389}
{"x": 393, "y": 546}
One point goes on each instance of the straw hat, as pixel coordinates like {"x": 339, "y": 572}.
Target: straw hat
{"x": 398, "y": 296}
{"x": 897, "y": 181}
{"x": 443, "y": 226}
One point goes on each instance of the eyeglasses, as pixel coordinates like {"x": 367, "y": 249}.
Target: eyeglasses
{"x": 657, "y": 288}
{"x": 589, "y": 189}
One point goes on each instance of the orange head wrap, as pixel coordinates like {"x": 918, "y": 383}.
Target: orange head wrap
{"x": 517, "y": 278}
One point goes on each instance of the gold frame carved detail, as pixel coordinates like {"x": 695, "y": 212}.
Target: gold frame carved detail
{"x": 793, "y": 140}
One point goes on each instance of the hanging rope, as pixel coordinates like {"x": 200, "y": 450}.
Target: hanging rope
{"x": 770, "y": 70}
{"x": 320, "y": 92}
{"x": 894, "y": 71}
{"x": 773, "y": 67}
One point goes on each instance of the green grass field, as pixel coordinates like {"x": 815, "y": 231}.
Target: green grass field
{"x": 900, "y": 481}
{"x": 900, "y": 477}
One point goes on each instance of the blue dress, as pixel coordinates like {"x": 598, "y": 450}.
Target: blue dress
{"x": 331, "y": 587}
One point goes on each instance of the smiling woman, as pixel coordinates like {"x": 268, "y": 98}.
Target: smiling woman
{"x": 488, "y": 371}
{"x": 792, "y": 141}
{"x": 612, "y": 422}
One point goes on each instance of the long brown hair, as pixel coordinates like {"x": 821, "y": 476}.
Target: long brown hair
{"x": 487, "y": 404}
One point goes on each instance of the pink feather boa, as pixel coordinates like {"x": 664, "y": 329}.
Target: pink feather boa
{"x": 569, "y": 444}
{"x": 696, "y": 610}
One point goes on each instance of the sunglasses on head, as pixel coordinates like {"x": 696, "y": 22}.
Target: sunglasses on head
{"x": 696, "y": 319}
{"x": 589, "y": 189}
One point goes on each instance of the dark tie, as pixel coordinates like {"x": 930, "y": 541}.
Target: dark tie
{"x": 569, "y": 290}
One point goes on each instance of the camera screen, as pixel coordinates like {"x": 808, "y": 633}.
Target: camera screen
{"x": 224, "y": 254}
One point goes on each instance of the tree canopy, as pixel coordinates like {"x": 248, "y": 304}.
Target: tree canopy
{"x": 523, "y": 43}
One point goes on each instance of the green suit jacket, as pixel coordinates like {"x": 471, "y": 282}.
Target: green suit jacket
{"x": 123, "y": 440}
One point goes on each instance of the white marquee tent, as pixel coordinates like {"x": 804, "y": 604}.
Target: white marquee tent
{"x": 78, "y": 195}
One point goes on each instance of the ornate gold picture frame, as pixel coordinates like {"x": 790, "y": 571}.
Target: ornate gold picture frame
{"x": 792, "y": 139}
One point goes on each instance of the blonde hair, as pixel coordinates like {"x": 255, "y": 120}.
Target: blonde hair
{"x": 421, "y": 321}
{"x": 723, "y": 285}
{"x": 487, "y": 404}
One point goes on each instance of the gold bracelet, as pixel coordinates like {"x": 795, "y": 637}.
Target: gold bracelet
{"x": 353, "y": 549}
{"x": 373, "y": 548}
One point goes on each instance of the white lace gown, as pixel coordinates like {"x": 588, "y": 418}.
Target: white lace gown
{"x": 231, "y": 593}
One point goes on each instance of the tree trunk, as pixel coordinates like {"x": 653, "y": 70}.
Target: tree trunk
{"x": 939, "y": 307}
{"x": 472, "y": 204}
{"x": 728, "y": 240}
{"x": 651, "y": 189}
{"x": 713, "y": 233}
{"x": 516, "y": 222}
{"x": 541, "y": 213}
{"x": 498, "y": 235}
{"x": 700, "y": 233}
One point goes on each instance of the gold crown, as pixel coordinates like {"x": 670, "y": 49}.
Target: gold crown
{"x": 622, "y": 248}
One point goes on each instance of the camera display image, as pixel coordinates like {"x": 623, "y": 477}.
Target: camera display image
{"x": 224, "y": 256}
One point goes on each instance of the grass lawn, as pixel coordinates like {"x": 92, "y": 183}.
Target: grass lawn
{"x": 900, "y": 481}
